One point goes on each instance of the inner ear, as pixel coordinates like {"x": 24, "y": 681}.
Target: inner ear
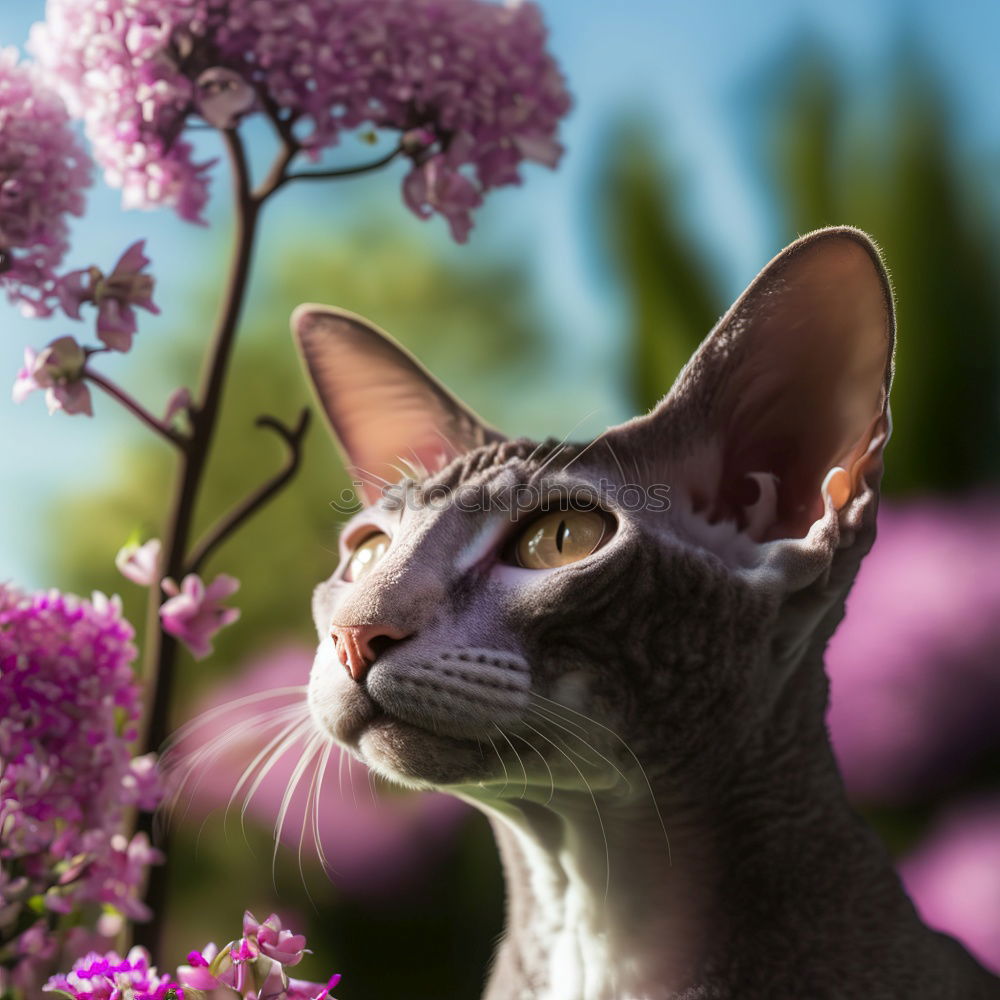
{"x": 787, "y": 399}
{"x": 386, "y": 411}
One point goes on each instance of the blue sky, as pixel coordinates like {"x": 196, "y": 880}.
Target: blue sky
{"x": 684, "y": 65}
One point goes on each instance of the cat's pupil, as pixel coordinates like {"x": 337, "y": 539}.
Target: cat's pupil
{"x": 561, "y": 533}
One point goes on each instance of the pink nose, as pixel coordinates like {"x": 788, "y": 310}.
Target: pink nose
{"x": 358, "y": 645}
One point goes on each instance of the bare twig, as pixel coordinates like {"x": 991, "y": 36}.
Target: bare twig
{"x": 136, "y": 408}
{"x": 293, "y": 438}
{"x": 333, "y": 174}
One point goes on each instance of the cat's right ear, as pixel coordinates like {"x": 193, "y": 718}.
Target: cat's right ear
{"x": 384, "y": 408}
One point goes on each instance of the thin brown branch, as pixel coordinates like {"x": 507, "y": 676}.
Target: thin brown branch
{"x": 243, "y": 511}
{"x": 333, "y": 174}
{"x": 136, "y": 408}
{"x": 289, "y": 148}
{"x": 161, "y": 647}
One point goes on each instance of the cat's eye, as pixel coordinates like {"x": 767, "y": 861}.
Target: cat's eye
{"x": 365, "y": 556}
{"x": 559, "y": 538}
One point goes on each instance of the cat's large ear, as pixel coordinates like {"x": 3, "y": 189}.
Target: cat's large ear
{"x": 786, "y": 401}
{"x": 383, "y": 407}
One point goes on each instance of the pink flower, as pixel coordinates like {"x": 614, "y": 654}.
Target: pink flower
{"x": 44, "y": 172}
{"x": 247, "y": 968}
{"x": 194, "y": 612}
{"x": 110, "y": 977}
{"x": 69, "y": 708}
{"x": 140, "y": 563}
{"x": 58, "y": 369}
{"x": 281, "y": 945}
{"x": 114, "y": 295}
{"x": 298, "y": 989}
{"x": 434, "y": 186}
{"x": 143, "y": 786}
{"x": 470, "y": 80}
{"x": 197, "y": 973}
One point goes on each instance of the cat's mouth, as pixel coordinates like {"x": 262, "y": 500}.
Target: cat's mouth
{"x": 361, "y": 714}
{"x": 357, "y": 712}
{"x": 408, "y": 750}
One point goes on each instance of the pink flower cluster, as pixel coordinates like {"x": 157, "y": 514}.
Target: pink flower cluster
{"x": 468, "y": 84}
{"x": 69, "y": 706}
{"x": 111, "y": 977}
{"x": 251, "y": 967}
{"x": 44, "y": 171}
{"x": 194, "y": 613}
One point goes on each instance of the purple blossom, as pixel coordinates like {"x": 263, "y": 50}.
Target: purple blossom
{"x": 251, "y": 967}
{"x": 69, "y": 706}
{"x": 953, "y": 877}
{"x": 111, "y": 977}
{"x": 274, "y": 942}
{"x": 915, "y": 692}
{"x": 58, "y": 369}
{"x": 194, "y": 612}
{"x": 43, "y": 174}
{"x": 140, "y": 563}
{"x": 114, "y": 294}
{"x": 468, "y": 85}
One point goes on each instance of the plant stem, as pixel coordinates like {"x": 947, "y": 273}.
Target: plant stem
{"x": 162, "y": 648}
{"x": 260, "y": 496}
{"x": 361, "y": 168}
{"x": 136, "y": 408}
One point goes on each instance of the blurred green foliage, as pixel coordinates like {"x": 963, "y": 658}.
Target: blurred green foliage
{"x": 829, "y": 159}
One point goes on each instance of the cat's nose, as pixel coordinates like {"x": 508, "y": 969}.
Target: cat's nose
{"x": 359, "y": 645}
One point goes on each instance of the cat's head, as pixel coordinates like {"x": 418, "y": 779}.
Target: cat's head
{"x": 669, "y": 582}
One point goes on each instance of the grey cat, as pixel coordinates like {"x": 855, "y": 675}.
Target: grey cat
{"x": 615, "y": 650}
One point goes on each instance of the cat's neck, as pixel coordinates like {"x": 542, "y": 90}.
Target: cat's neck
{"x": 768, "y": 861}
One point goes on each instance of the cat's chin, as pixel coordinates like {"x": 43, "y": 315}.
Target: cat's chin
{"x": 413, "y": 756}
{"x": 398, "y": 749}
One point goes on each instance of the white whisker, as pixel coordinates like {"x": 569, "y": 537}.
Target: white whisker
{"x": 506, "y": 776}
{"x": 547, "y": 713}
{"x": 631, "y": 753}
{"x": 320, "y": 852}
{"x": 593, "y": 798}
{"x": 552, "y": 780}
{"x": 524, "y": 770}
{"x": 276, "y": 750}
{"x": 286, "y": 801}
{"x": 209, "y": 714}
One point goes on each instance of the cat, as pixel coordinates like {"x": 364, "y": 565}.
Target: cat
{"x": 615, "y": 650}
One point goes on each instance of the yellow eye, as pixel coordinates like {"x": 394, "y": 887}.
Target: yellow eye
{"x": 366, "y": 555}
{"x": 561, "y": 537}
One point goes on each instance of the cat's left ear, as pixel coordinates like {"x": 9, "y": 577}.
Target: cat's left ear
{"x": 384, "y": 408}
{"x": 785, "y": 404}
